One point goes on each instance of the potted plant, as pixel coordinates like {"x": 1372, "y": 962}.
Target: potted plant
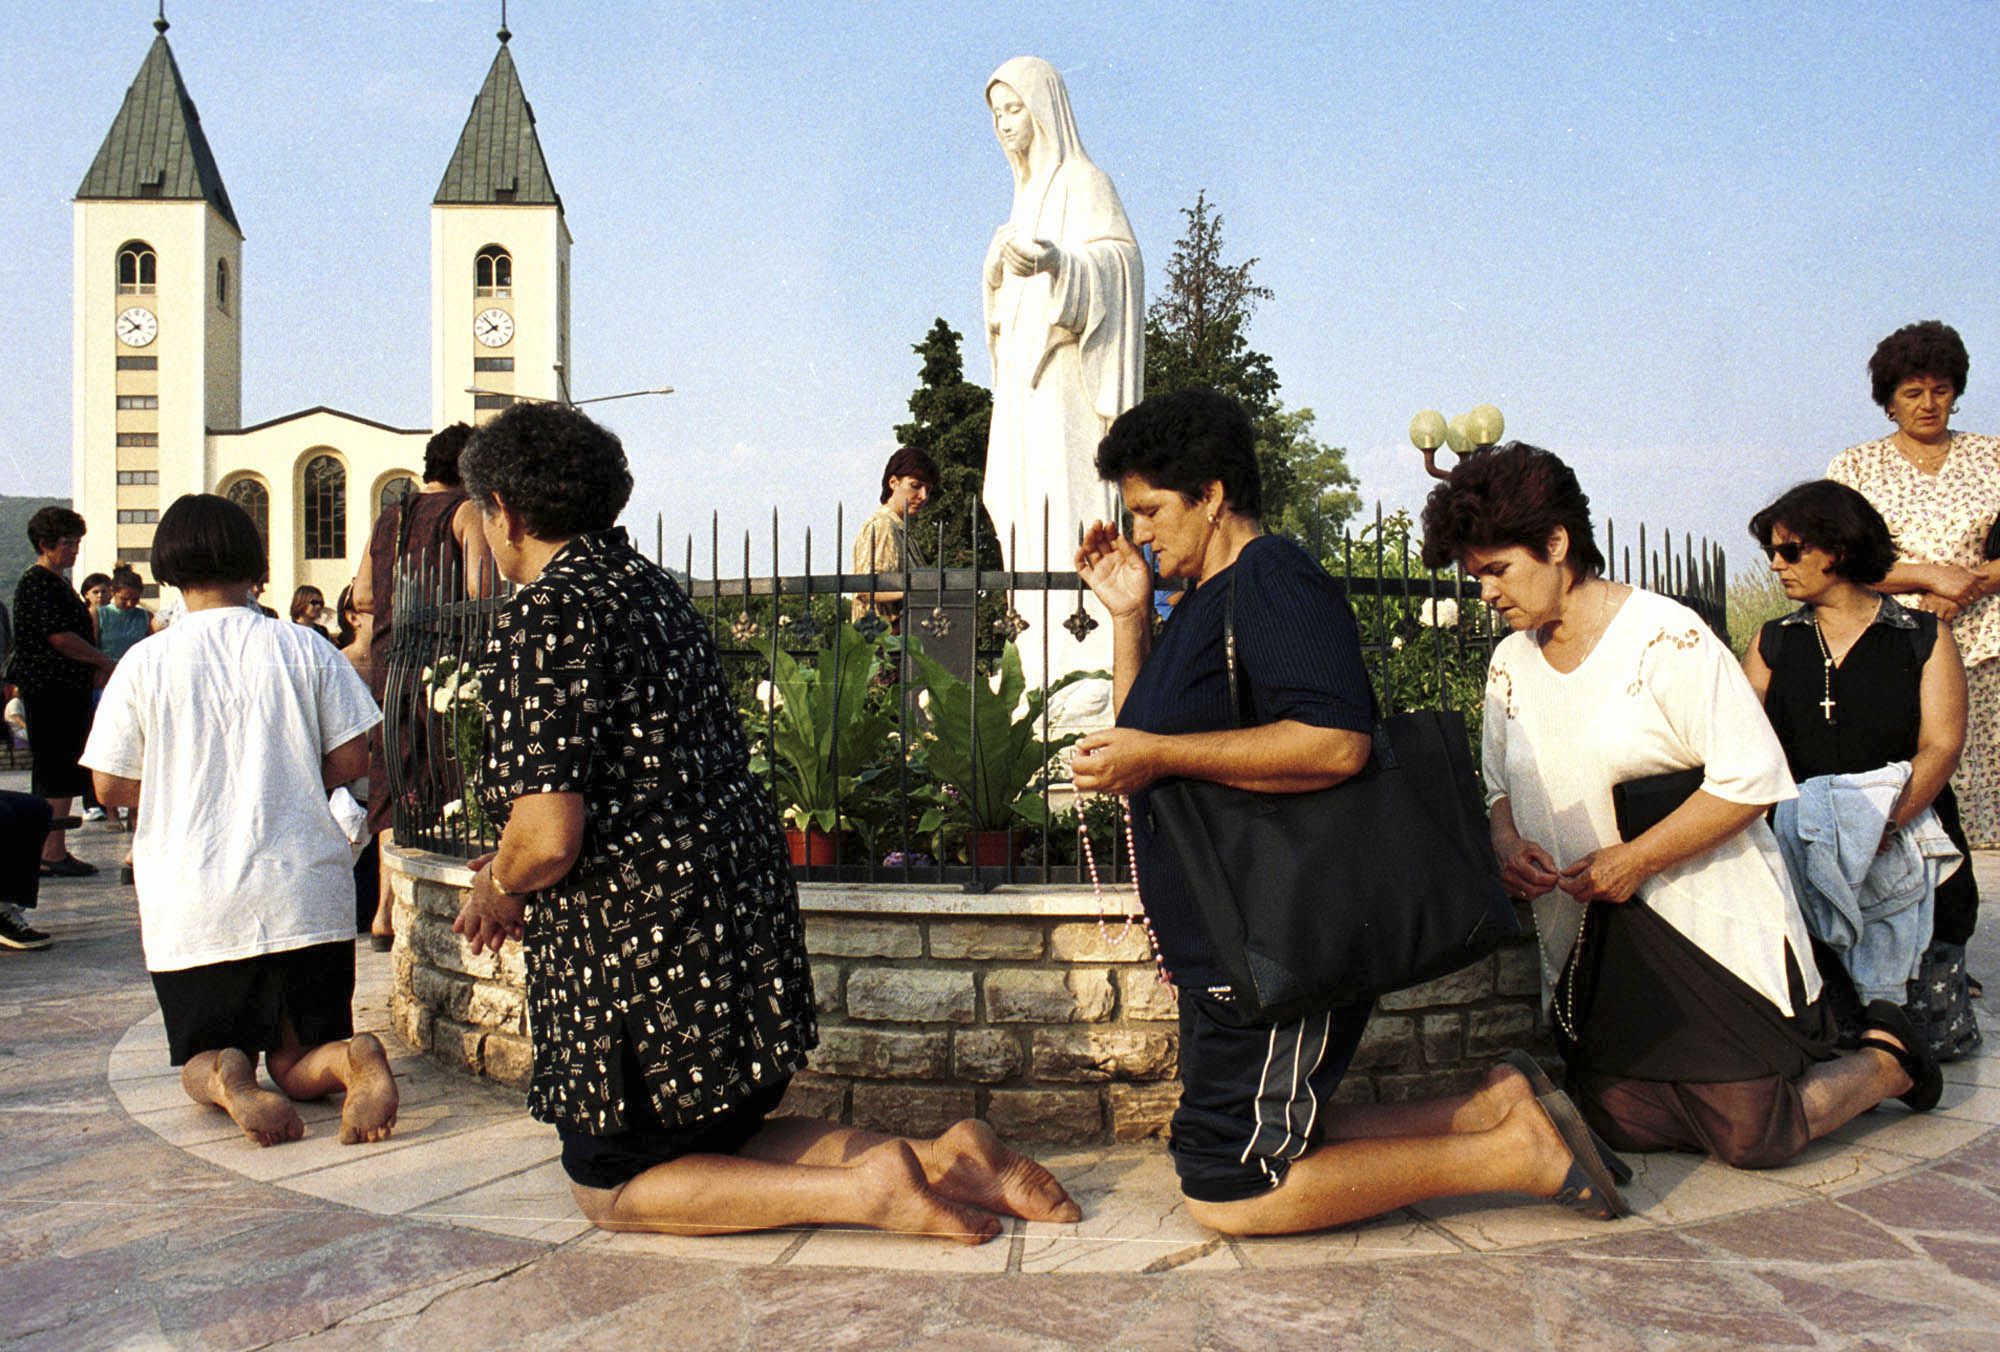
{"x": 986, "y": 755}
{"x": 824, "y": 734}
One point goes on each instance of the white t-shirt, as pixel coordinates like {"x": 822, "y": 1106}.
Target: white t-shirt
{"x": 225, "y": 719}
{"x": 1659, "y": 692}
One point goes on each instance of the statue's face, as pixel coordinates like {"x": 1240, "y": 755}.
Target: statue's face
{"x": 1011, "y": 118}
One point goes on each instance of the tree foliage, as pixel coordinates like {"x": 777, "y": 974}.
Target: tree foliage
{"x": 950, "y": 418}
{"x": 1197, "y": 334}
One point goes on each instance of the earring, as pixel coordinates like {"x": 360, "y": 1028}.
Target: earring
{"x": 1213, "y": 518}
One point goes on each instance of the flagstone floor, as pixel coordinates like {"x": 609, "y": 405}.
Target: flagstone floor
{"x": 131, "y": 1218}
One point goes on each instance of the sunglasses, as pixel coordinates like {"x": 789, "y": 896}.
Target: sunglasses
{"x": 1789, "y": 551}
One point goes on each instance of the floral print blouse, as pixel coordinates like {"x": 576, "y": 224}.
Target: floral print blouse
{"x": 1937, "y": 518}
{"x": 677, "y": 931}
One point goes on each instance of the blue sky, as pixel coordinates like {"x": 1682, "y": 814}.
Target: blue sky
{"x": 1663, "y": 237}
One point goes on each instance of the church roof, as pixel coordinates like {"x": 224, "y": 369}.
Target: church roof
{"x": 155, "y": 147}
{"x": 499, "y": 157}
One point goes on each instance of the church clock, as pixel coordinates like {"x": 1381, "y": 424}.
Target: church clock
{"x": 137, "y": 327}
{"x": 494, "y": 327}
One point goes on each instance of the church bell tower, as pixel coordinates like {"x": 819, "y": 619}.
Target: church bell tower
{"x": 499, "y": 261}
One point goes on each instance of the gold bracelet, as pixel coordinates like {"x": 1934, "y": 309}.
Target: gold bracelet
{"x": 493, "y": 877}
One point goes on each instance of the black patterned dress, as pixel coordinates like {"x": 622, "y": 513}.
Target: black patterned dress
{"x": 677, "y": 932}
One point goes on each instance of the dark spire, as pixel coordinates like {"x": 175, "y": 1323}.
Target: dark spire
{"x": 155, "y": 147}
{"x": 499, "y": 156}
{"x": 503, "y": 34}
{"x": 160, "y": 25}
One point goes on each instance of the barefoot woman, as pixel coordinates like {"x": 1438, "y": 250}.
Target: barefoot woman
{"x": 642, "y": 869}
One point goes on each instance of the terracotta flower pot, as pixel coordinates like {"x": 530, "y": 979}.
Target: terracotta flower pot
{"x": 812, "y": 847}
{"x": 998, "y": 849}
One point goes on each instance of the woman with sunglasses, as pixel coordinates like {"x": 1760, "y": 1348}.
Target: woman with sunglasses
{"x": 1854, "y": 681}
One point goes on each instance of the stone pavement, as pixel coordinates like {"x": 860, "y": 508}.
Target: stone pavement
{"x": 129, "y": 1218}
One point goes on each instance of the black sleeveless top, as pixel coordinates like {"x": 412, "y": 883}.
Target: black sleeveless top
{"x": 1876, "y": 691}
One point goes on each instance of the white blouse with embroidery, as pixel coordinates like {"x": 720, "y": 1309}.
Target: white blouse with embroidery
{"x": 1937, "y": 518}
{"x": 1659, "y": 692}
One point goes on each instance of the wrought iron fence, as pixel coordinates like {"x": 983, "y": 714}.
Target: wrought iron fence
{"x": 882, "y": 749}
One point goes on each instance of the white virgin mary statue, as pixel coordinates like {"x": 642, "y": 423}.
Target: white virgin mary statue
{"x": 1065, "y": 307}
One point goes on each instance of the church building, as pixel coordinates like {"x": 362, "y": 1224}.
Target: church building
{"x": 159, "y": 292}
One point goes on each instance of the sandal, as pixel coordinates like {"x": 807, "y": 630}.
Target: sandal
{"x": 69, "y": 866}
{"x": 1587, "y": 1188}
{"x": 1926, "y": 1080}
{"x": 1539, "y": 1081}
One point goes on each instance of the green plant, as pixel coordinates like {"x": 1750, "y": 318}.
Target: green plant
{"x": 825, "y": 733}
{"x": 1755, "y": 597}
{"x": 985, "y": 755}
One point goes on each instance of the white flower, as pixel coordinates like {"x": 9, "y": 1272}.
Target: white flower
{"x": 469, "y": 692}
{"x": 441, "y": 699}
{"x": 426, "y": 677}
{"x": 1396, "y": 644}
{"x": 455, "y": 808}
{"x": 1439, "y": 614}
{"x": 768, "y": 696}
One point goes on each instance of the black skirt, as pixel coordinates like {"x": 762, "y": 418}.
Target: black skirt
{"x": 1650, "y": 1004}
{"x": 245, "y": 1003}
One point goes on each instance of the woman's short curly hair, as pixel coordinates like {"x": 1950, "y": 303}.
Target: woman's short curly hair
{"x": 51, "y": 525}
{"x": 563, "y": 473}
{"x": 1514, "y": 494}
{"x": 1833, "y": 517}
{"x": 1183, "y": 442}
{"x": 1929, "y": 348}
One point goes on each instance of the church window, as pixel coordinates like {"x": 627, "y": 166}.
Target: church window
{"x": 131, "y": 516}
{"x": 138, "y": 401}
{"x": 137, "y": 439}
{"x": 484, "y": 401}
{"x": 325, "y": 508}
{"x": 492, "y": 363}
{"x": 394, "y": 491}
{"x": 222, "y": 284}
{"x": 138, "y": 269}
{"x": 129, "y": 363}
{"x": 255, "y": 500}
{"x": 128, "y": 477}
{"x": 493, "y": 272}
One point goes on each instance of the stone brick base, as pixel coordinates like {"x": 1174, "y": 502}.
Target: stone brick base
{"x": 1016, "y": 1006}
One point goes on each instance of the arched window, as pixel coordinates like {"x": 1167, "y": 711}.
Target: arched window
{"x": 222, "y": 284}
{"x": 138, "y": 268}
{"x": 325, "y": 500}
{"x": 255, "y": 499}
{"x": 493, "y": 272}
{"x": 394, "y": 490}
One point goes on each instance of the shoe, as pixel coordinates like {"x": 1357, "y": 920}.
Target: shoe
{"x": 69, "y": 866}
{"x": 1539, "y": 1081}
{"x": 1588, "y": 1187}
{"x": 1926, "y": 1080}
{"x": 93, "y": 814}
{"x": 16, "y": 932}
{"x": 125, "y": 874}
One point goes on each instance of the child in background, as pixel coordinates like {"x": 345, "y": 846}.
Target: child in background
{"x": 123, "y": 622}
{"x": 241, "y": 724}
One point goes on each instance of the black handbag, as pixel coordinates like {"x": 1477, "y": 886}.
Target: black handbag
{"x": 1641, "y": 804}
{"x": 1312, "y": 900}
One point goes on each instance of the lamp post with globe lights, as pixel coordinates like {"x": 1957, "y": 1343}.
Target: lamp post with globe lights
{"x": 1474, "y": 430}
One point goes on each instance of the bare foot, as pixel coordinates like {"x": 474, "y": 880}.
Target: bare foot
{"x": 266, "y": 1117}
{"x": 905, "y": 1202}
{"x": 368, "y": 1112}
{"x": 970, "y": 1165}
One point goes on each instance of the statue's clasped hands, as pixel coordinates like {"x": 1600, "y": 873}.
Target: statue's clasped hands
{"x": 1025, "y": 258}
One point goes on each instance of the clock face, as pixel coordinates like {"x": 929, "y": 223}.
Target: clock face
{"x": 137, "y": 326}
{"x": 494, "y": 327}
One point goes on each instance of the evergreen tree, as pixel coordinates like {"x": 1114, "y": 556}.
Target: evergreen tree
{"x": 1197, "y": 334}
{"x": 950, "y": 419}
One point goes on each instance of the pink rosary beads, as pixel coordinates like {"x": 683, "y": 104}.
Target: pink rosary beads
{"x": 1166, "y": 978}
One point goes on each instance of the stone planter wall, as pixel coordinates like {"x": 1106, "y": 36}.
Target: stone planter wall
{"x": 935, "y": 1005}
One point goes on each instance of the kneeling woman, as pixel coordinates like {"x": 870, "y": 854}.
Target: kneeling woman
{"x": 642, "y": 869}
{"x": 1685, "y": 996}
{"x": 1258, "y": 1142}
